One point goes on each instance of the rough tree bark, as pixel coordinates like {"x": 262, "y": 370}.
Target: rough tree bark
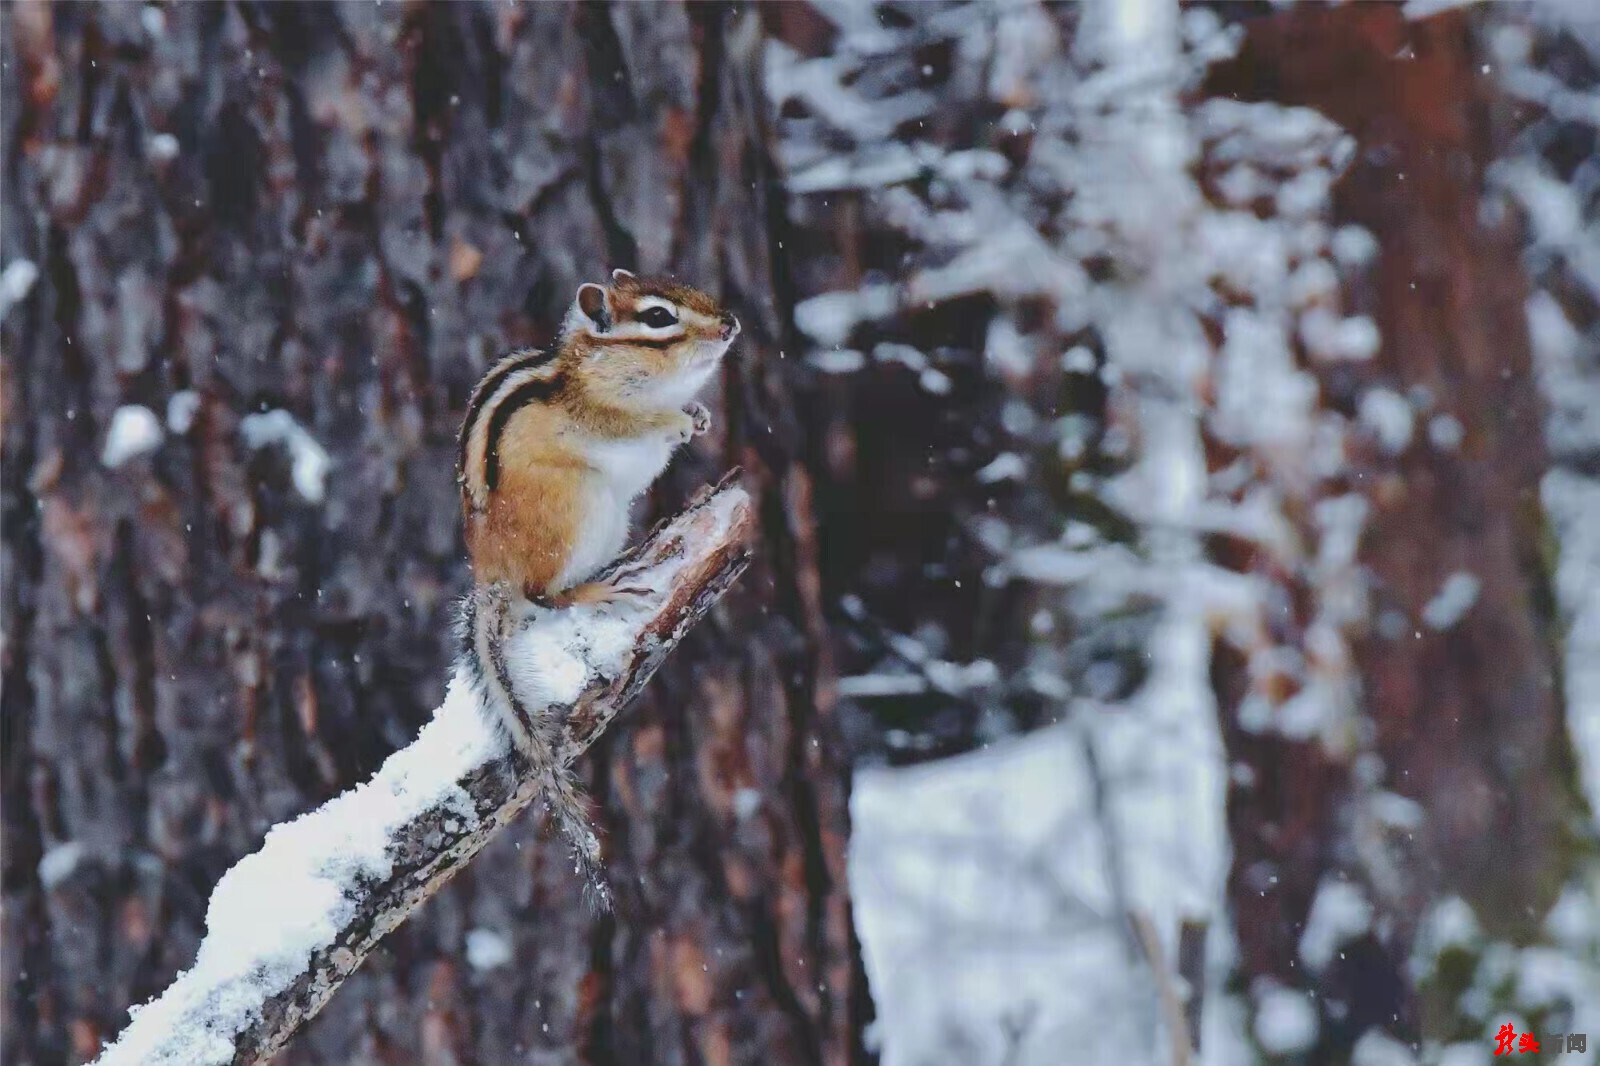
{"x": 1466, "y": 719}
{"x": 345, "y": 211}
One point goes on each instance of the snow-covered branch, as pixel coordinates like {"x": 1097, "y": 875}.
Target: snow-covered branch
{"x": 287, "y": 925}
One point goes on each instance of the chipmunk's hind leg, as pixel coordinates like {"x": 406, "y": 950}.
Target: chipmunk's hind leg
{"x": 612, "y": 589}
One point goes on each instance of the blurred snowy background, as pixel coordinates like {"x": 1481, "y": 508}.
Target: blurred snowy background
{"x": 1178, "y": 310}
{"x": 1179, "y": 437}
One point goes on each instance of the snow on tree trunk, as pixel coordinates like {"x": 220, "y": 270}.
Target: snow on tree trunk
{"x": 1458, "y": 782}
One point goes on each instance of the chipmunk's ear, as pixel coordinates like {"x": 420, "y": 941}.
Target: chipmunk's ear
{"x": 592, "y": 302}
{"x": 621, "y": 275}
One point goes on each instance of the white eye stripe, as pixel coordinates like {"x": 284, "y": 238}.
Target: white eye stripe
{"x": 640, "y": 330}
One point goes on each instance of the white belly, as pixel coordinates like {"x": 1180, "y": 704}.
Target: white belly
{"x": 605, "y": 532}
{"x": 625, "y": 469}
{"x": 629, "y": 466}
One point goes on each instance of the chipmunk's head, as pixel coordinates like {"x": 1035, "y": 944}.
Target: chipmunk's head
{"x": 646, "y": 341}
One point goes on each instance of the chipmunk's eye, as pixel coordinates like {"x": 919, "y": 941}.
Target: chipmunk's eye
{"x": 657, "y": 317}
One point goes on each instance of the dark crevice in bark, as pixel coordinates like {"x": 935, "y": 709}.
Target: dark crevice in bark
{"x": 613, "y": 104}
{"x": 104, "y": 690}
{"x": 611, "y": 108}
{"x": 144, "y": 752}
{"x": 442, "y": 56}
{"x": 233, "y": 168}
{"x": 701, "y": 186}
{"x": 88, "y": 79}
{"x": 75, "y": 425}
{"x": 621, "y": 249}
{"x": 600, "y": 983}
{"x": 800, "y": 692}
{"x": 766, "y": 946}
{"x": 25, "y": 920}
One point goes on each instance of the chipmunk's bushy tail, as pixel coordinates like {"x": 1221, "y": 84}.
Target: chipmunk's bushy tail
{"x": 486, "y": 625}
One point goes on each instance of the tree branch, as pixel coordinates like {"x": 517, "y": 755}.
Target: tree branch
{"x": 287, "y": 925}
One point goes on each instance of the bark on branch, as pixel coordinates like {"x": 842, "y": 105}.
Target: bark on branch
{"x": 287, "y": 925}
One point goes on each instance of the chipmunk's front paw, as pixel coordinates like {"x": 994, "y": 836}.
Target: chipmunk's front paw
{"x": 699, "y": 417}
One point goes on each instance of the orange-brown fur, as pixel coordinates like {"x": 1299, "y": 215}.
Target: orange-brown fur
{"x": 523, "y": 531}
{"x": 554, "y": 449}
{"x": 526, "y": 533}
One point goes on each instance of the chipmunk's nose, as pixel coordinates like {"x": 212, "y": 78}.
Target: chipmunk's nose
{"x": 730, "y": 326}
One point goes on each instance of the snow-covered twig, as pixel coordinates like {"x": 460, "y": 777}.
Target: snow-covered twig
{"x": 287, "y": 925}
{"x": 1171, "y": 1002}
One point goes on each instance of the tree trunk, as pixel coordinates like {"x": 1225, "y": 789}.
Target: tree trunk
{"x": 344, "y": 212}
{"x": 1464, "y": 714}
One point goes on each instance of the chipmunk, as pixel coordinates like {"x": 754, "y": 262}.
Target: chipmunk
{"x": 555, "y": 447}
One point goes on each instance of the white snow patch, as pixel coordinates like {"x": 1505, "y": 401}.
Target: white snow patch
{"x": 1330, "y": 337}
{"x": 837, "y": 360}
{"x": 872, "y": 168}
{"x": 1574, "y": 922}
{"x": 1007, "y": 466}
{"x": 1353, "y": 246}
{"x": 309, "y": 461}
{"x": 984, "y": 903}
{"x": 1421, "y": 9}
{"x": 1377, "y": 1048}
{"x": 58, "y": 863}
{"x": 1388, "y": 415}
{"x": 1453, "y": 600}
{"x": 1008, "y": 351}
{"x": 134, "y": 431}
{"x": 554, "y": 659}
{"x": 1286, "y": 1020}
{"x": 16, "y": 281}
{"x": 182, "y": 406}
{"x": 1394, "y": 811}
{"x": 1563, "y": 361}
{"x": 1078, "y": 360}
{"x": 488, "y": 949}
{"x": 829, "y": 319}
{"x": 1446, "y": 432}
{"x": 1465, "y": 1054}
{"x": 877, "y": 686}
{"x": 163, "y": 146}
{"x": 1262, "y": 396}
{"x": 1573, "y": 503}
{"x": 1449, "y": 923}
{"x": 1340, "y": 913}
{"x": 746, "y": 802}
{"x": 819, "y": 83}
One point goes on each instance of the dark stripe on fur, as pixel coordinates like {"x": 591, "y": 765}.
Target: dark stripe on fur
{"x": 486, "y": 609}
{"x": 536, "y": 391}
{"x": 502, "y": 676}
{"x": 510, "y": 364}
{"x": 659, "y": 343}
